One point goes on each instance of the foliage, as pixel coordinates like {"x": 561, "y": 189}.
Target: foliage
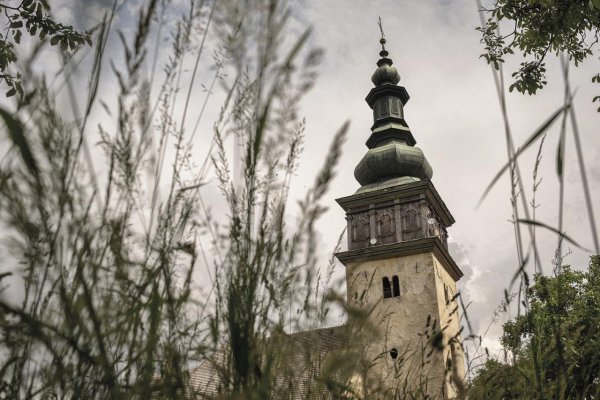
{"x": 32, "y": 17}
{"x": 554, "y": 348}
{"x": 539, "y": 28}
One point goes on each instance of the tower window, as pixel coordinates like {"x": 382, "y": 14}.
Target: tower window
{"x": 396, "y": 286}
{"x": 391, "y": 289}
{"x": 387, "y": 288}
{"x": 395, "y": 106}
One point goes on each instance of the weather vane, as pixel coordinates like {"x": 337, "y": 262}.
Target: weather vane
{"x": 383, "y": 52}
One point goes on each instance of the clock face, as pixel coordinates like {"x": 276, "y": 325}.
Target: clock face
{"x": 373, "y": 240}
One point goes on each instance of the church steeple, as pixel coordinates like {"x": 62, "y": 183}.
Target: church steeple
{"x": 398, "y": 267}
{"x": 392, "y": 158}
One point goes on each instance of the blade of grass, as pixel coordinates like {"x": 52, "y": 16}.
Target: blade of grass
{"x": 550, "y": 228}
{"x": 17, "y": 135}
{"x": 560, "y": 156}
{"x": 532, "y": 138}
{"x": 582, "y": 170}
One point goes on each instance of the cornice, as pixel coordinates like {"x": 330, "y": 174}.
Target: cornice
{"x": 418, "y": 246}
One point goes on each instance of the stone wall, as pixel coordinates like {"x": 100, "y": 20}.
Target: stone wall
{"x": 409, "y": 324}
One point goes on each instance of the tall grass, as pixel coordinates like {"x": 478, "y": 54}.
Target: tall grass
{"x": 107, "y": 265}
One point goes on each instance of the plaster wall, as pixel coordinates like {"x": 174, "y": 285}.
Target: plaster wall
{"x": 450, "y": 323}
{"x": 406, "y": 323}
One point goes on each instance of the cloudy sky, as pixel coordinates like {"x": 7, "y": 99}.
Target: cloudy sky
{"x": 455, "y": 117}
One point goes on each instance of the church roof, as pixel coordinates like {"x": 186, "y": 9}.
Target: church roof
{"x": 324, "y": 339}
{"x": 316, "y": 344}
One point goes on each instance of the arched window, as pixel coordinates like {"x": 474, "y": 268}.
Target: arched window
{"x": 396, "y": 286}
{"x": 387, "y": 289}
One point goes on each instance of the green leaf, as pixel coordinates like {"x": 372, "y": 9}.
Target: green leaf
{"x": 11, "y": 92}
{"x": 54, "y": 40}
{"x": 17, "y": 135}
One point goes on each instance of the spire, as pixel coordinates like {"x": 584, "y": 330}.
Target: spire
{"x": 385, "y": 73}
{"x": 392, "y": 158}
{"x": 383, "y": 53}
{"x": 382, "y": 40}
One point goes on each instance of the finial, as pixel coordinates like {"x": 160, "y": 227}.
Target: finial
{"x": 383, "y": 52}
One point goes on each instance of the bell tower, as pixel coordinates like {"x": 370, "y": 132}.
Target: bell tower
{"x": 398, "y": 269}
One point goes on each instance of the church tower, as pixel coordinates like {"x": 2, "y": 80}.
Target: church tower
{"x": 398, "y": 269}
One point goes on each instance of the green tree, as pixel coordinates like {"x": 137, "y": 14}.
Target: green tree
{"x": 539, "y": 28}
{"x": 554, "y": 348}
{"x": 32, "y": 17}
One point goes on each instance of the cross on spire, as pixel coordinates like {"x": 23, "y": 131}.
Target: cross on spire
{"x": 383, "y": 53}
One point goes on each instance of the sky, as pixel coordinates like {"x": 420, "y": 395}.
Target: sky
{"x": 453, "y": 114}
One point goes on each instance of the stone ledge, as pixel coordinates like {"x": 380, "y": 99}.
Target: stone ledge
{"x": 417, "y": 246}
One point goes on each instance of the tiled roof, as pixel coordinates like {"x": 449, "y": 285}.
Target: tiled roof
{"x": 308, "y": 353}
{"x": 325, "y": 339}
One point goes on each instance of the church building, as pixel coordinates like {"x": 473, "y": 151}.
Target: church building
{"x": 398, "y": 267}
{"x": 400, "y": 277}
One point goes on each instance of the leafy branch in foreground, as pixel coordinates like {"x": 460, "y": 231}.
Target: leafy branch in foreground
{"x": 32, "y": 17}
{"x": 539, "y": 28}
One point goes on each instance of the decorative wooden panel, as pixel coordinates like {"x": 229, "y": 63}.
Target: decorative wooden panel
{"x": 393, "y": 222}
{"x": 411, "y": 223}
{"x": 360, "y": 231}
{"x": 386, "y": 226}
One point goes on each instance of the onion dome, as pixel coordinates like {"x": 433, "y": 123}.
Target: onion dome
{"x": 385, "y": 73}
{"x": 392, "y": 158}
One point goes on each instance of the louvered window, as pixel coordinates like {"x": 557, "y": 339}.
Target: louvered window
{"x": 396, "y": 286}
{"x": 387, "y": 288}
